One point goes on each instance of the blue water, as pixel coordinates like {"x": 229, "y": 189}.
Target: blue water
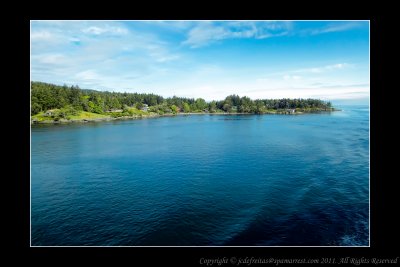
{"x": 203, "y": 180}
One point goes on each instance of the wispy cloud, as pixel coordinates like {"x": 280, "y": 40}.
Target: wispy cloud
{"x": 87, "y": 75}
{"x": 51, "y": 59}
{"x": 41, "y": 36}
{"x": 205, "y": 33}
{"x": 338, "y": 66}
{"x": 160, "y": 53}
{"x": 335, "y": 85}
{"x": 333, "y": 81}
{"x": 171, "y": 25}
{"x": 294, "y": 73}
{"x": 86, "y": 53}
{"x": 337, "y": 27}
{"x": 95, "y": 30}
{"x": 291, "y": 77}
{"x": 303, "y": 91}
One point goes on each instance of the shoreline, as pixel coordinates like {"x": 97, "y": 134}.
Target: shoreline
{"x": 64, "y": 121}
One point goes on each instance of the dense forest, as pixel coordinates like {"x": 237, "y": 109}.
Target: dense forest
{"x": 68, "y": 101}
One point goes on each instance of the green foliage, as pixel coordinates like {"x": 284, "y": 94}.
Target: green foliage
{"x": 46, "y": 96}
{"x": 65, "y": 101}
{"x": 174, "y": 109}
{"x": 246, "y": 105}
{"x": 86, "y": 115}
{"x": 200, "y": 104}
{"x": 186, "y": 107}
{"x": 139, "y": 105}
{"x": 69, "y": 110}
{"x": 63, "y": 113}
{"x": 259, "y": 107}
{"x": 125, "y": 109}
{"x": 35, "y": 108}
{"x": 227, "y": 107}
{"x": 91, "y": 106}
{"x": 161, "y": 109}
{"x": 212, "y": 106}
{"x": 136, "y": 112}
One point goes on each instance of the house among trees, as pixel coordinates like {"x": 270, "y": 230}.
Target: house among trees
{"x": 145, "y": 107}
{"x": 49, "y": 113}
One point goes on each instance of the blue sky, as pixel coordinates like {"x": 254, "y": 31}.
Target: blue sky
{"x": 209, "y": 59}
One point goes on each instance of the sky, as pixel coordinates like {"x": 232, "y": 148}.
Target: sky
{"x": 328, "y": 60}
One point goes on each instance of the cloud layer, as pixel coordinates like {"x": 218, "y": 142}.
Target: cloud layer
{"x": 209, "y": 59}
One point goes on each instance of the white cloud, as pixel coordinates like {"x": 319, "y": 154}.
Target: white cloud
{"x": 304, "y": 88}
{"x": 73, "y": 56}
{"x": 87, "y": 75}
{"x": 210, "y": 89}
{"x": 204, "y": 33}
{"x": 74, "y": 40}
{"x": 51, "y": 58}
{"x": 207, "y": 32}
{"x": 335, "y": 28}
{"x": 159, "y": 53}
{"x": 337, "y": 66}
{"x": 326, "y": 94}
{"x": 307, "y": 72}
{"x": 41, "y": 36}
{"x": 161, "y": 58}
{"x": 291, "y": 77}
{"x": 172, "y": 25}
{"x": 96, "y": 30}
{"x": 326, "y": 68}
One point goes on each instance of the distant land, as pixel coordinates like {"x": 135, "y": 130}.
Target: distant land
{"x": 52, "y": 103}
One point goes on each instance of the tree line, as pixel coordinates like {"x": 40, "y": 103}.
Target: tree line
{"x": 45, "y": 96}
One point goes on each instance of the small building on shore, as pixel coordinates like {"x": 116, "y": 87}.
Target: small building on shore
{"x": 145, "y": 107}
{"x": 49, "y": 113}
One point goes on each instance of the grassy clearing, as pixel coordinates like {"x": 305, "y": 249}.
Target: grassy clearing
{"x": 81, "y": 115}
{"x": 87, "y": 115}
{"x": 40, "y": 117}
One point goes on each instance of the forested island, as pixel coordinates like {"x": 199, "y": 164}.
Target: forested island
{"x": 54, "y": 104}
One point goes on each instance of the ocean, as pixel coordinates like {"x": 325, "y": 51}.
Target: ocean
{"x": 203, "y": 180}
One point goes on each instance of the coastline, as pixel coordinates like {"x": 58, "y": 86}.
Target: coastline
{"x": 86, "y": 120}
